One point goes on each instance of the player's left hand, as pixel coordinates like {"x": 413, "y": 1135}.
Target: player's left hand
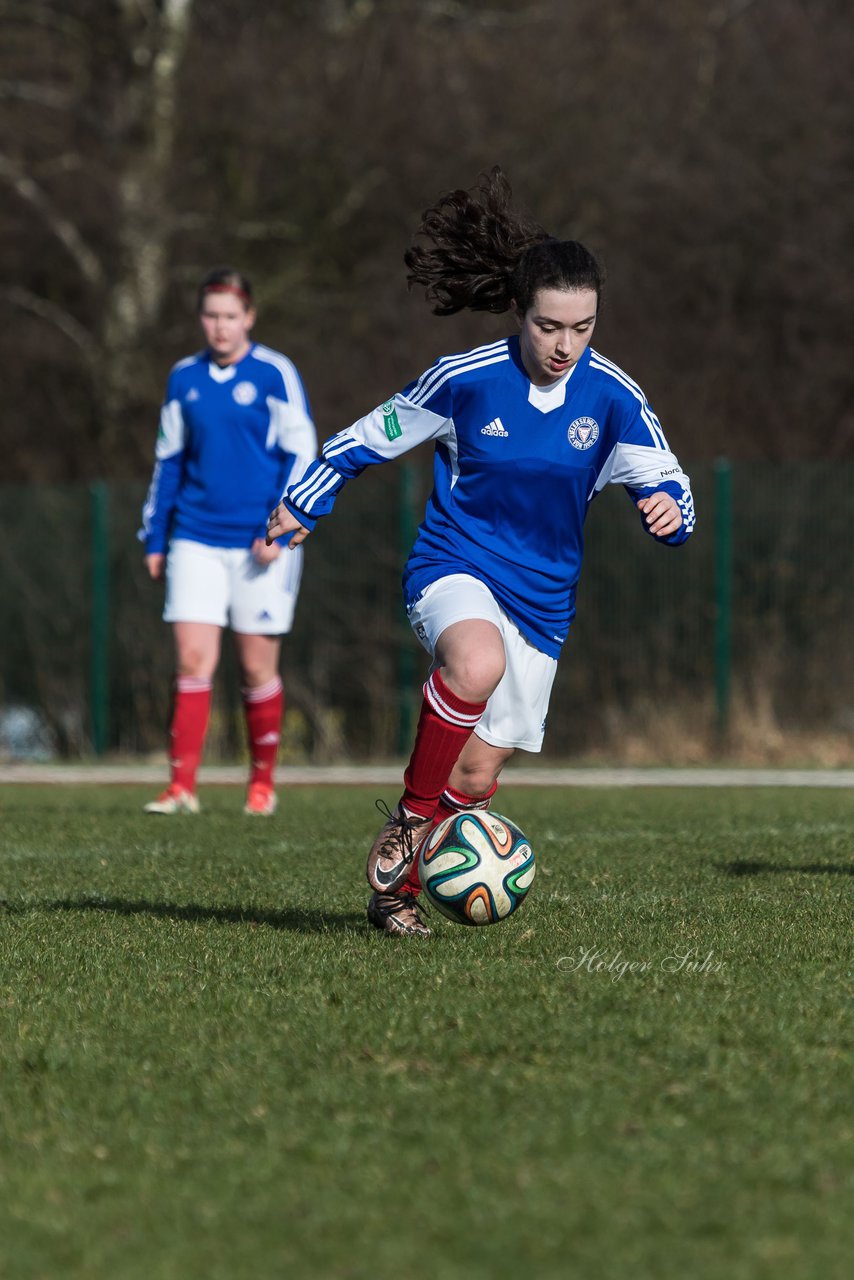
{"x": 264, "y": 554}
{"x": 661, "y": 514}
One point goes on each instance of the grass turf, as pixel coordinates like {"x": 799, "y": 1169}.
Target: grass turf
{"x": 211, "y": 1067}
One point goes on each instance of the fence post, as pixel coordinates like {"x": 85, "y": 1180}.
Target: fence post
{"x": 407, "y": 525}
{"x": 723, "y": 594}
{"x": 99, "y": 694}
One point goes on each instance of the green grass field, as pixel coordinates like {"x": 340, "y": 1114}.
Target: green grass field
{"x": 211, "y": 1067}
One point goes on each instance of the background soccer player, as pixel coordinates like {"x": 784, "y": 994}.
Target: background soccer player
{"x": 235, "y": 428}
{"x": 526, "y": 432}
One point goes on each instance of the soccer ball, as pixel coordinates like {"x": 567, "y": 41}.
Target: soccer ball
{"x": 476, "y": 867}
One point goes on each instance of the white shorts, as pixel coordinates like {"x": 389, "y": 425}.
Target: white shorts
{"x": 515, "y": 715}
{"x": 225, "y": 586}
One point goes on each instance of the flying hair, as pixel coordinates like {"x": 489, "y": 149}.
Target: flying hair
{"x": 483, "y": 255}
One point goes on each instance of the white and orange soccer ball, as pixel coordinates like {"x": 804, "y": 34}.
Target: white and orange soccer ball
{"x": 476, "y": 867}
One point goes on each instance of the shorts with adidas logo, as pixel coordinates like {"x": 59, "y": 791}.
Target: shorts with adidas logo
{"x": 515, "y": 715}
{"x": 228, "y": 588}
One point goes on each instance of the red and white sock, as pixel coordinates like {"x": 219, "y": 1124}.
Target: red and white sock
{"x": 264, "y": 708}
{"x": 451, "y": 802}
{"x": 445, "y": 725}
{"x": 190, "y": 714}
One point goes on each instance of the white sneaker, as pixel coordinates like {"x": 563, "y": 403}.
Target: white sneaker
{"x": 174, "y": 800}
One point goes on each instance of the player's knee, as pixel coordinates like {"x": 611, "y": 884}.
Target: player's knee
{"x": 474, "y": 779}
{"x": 254, "y": 674}
{"x": 476, "y": 675}
{"x": 195, "y": 663}
{"x": 478, "y": 768}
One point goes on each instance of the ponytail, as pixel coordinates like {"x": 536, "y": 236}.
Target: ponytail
{"x": 485, "y": 256}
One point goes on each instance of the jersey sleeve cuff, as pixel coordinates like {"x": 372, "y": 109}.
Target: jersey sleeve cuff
{"x": 307, "y": 522}
{"x": 683, "y": 500}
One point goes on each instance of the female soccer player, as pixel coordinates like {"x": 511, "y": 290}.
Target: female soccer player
{"x": 527, "y": 431}
{"x": 235, "y": 428}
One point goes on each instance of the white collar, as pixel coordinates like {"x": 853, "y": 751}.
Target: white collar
{"x": 551, "y": 397}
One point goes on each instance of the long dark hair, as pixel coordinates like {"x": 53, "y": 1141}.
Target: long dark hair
{"x": 486, "y": 255}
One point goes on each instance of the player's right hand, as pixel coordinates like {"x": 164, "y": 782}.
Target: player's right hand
{"x": 281, "y": 523}
{"x": 154, "y": 564}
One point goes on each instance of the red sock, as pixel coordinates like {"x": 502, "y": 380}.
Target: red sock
{"x": 444, "y": 727}
{"x": 190, "y": 715}
{"x": 451, "y": 802}
{"x": 264, "y": 709}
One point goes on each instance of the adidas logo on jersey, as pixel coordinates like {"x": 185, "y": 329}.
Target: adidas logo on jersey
{"x": 494, "y": 428}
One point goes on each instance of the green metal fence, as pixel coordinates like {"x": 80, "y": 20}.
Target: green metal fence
{"x": 740, "y": 638}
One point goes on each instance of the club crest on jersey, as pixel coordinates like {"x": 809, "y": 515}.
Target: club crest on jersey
{"x": 245, "y": 393}
{"x": 583, "y": 433}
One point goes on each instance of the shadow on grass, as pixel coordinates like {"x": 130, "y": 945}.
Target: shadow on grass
{"x": 744, "y": 868}
{"x": 293, "y": 919}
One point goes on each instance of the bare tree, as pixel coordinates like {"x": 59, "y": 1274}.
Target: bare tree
{"x": 704, "y": 151}
{"x": 98, "y": 106}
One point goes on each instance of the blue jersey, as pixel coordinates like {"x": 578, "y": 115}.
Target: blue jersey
{"x": 516, "y": 467}
{"x": 231, "y": 437}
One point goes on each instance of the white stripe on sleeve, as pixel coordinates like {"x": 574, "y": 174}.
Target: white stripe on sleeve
{"x": 640, "y": 466}
{"x": 170, "y": 438}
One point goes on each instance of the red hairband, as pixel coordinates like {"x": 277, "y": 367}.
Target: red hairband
{"x": 229, "y": 288}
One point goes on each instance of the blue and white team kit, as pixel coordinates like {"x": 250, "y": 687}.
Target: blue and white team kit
{"x": 231, "y": 439}
{"x": 516, "y": 467}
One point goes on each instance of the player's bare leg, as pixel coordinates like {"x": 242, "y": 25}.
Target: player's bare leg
{"x": 478, "y": 768}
